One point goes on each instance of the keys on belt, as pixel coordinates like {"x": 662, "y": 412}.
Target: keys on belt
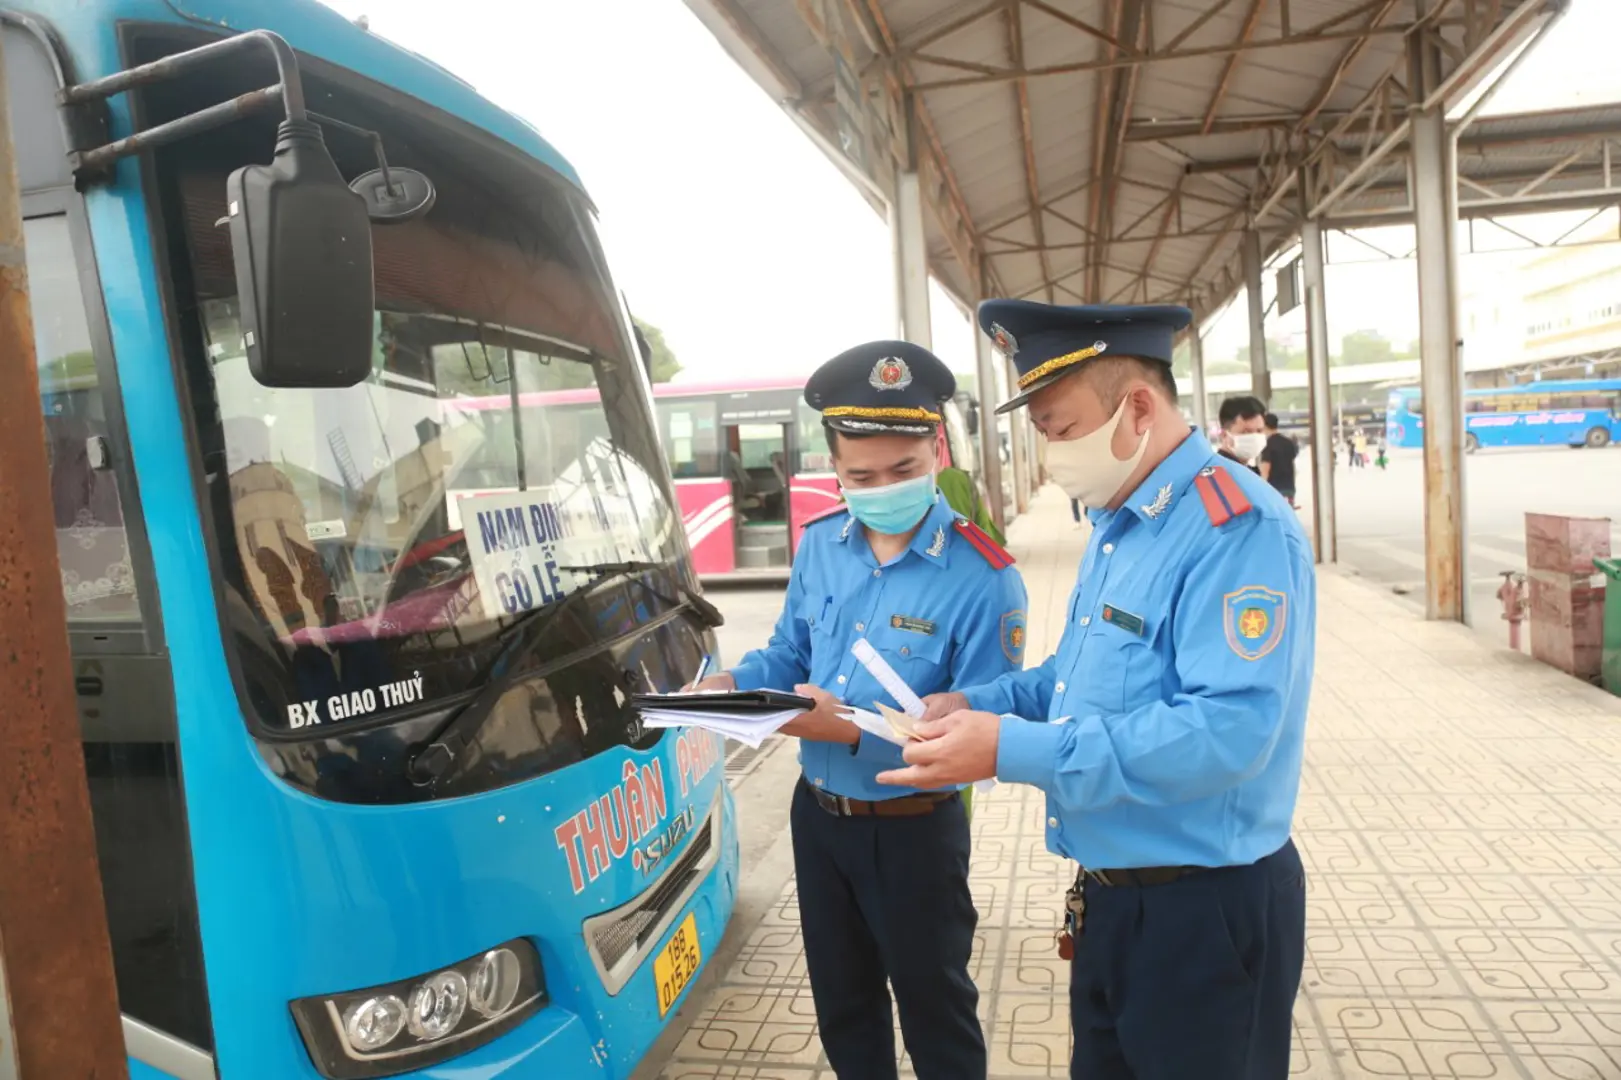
{"x": 1075, "y": 896}
{"x": 904, "y": 806}
{"x": 1074, "y": 916}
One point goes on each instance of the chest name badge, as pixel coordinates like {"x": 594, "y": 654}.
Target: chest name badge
{"x": 1131, "y": 624}
{"x": 916, "y": 626}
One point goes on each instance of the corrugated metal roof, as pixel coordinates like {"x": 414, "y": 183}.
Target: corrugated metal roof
{"x": 1156, "y": 128}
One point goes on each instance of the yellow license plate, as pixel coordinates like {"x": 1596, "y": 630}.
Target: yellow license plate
{"x": 674, "y": 967}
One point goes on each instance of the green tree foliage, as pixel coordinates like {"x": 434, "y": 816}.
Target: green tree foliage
{"x": 665, "y": 365}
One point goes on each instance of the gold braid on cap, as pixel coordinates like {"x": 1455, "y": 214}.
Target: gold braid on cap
{"x": 914, "y": 415}
{"x": 1041, "y": 372}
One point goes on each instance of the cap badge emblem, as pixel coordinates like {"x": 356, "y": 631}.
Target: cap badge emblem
{"x": 890, "y": 373}
{"x": 1005, "y": 342}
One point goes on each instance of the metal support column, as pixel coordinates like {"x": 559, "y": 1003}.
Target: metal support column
{"x": 1435, "y": 212}
{"x": 989, "y": 438}
{"x": 58, "y": 1002}
{"x": 1018, "y": 423}
{"x": 1260, "y": 377}
{"x": 1201, "y": 402}
{"x": 911, "y": 260}
{"x": 1322, "y": 408}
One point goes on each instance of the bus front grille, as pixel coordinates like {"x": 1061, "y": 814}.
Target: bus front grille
{"x": 620, "y": 939}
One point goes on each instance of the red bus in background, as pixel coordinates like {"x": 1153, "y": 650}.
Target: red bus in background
{"x": 749, "y": 459}
{"x": 751, "y": 467}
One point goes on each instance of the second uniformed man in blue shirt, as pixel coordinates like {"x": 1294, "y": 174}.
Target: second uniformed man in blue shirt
{"x": 882, "y": 871}
{"x": 1167, "y": 730}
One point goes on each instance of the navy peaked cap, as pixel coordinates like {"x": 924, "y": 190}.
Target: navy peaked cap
{"x": 1048, "y": 341}
{"x": 882, "y": 387}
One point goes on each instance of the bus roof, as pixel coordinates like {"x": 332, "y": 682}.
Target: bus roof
{"x": 589, "y": 394}
{"x": 87, "y": 27}
{"x": 728, "y": 386}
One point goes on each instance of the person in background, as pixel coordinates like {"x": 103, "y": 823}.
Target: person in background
{"x": 957, "y": 487}
{"x": 1359, "y": 448}
{"x": 1278, "y": 459}
{"x": 882, "y": 871}
{"x": 1242, "y": 435}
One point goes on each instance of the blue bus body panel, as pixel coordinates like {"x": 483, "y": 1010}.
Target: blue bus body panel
{"x": 1539, "y": 427}
{"x": 298, "y": 896}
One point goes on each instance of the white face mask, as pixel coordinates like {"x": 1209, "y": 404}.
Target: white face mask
{"x": 1087, "y": 469}
{"x": 1249, "y": 445}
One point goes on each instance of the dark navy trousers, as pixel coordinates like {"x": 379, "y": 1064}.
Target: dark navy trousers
{"x": 886, "y": 899}
{"x": 1192, "y": 979}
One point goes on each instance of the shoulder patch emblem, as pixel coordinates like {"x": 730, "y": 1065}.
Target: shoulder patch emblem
{"x": 1013, "y": 636}
{"x": 981, "y": 541}
{"x": 1253, "y": 618}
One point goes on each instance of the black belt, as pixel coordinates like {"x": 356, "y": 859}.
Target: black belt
{"x": 1143, "y": 875}
{"x": 904, "y": 806}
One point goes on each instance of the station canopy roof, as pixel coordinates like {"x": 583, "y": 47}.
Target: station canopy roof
{"x": 1084, "y": 151}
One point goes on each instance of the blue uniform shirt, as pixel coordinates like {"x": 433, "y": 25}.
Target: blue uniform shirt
{"x": 1177, "y": 699}
{"x": 941, "y": 614}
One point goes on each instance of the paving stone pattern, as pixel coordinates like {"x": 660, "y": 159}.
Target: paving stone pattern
{"x": 1460, "y": 818}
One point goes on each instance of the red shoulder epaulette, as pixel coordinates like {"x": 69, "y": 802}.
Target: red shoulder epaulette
{"x": 1222, "y": 497}
{"x": 981, "y": 541}
{"x": 836, "y": 508}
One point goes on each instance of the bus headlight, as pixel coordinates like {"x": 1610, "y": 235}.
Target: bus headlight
{"x": 411, "y": 1024}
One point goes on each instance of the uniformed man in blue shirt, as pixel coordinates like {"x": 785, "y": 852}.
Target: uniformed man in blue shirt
{"x": 883, "y": 870}
{"x": 1167, "y": 730}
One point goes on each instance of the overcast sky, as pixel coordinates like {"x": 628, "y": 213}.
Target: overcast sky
{"x": 731, "y": 231}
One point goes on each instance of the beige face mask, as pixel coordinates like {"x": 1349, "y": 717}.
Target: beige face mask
{"x": 1087, "y": 469}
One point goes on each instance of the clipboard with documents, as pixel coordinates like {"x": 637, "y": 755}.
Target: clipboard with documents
{"x": 748, "y": 716}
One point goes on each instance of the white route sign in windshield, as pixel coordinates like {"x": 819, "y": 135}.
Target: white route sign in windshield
{"x": 521, "y": 541}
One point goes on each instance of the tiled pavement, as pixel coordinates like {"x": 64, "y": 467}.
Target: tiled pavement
{"x": 1461, "y": 821}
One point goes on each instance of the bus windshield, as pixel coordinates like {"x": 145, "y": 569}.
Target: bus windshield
{"x": 358, "y": 529}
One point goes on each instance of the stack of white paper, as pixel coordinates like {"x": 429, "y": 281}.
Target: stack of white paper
{"x": 750, "y": 729}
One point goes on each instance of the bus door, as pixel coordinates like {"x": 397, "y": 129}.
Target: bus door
{"x": 813, "y": 487}
{"x": 693, "y": 446}
{"x": 756, "y": 464}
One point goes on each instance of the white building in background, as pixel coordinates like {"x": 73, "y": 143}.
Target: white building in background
{"x": 1552, "y": 312}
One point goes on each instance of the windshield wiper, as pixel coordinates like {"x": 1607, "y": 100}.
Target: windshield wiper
{"x": 707, "y": 613}
{"x": 457, "y": 733}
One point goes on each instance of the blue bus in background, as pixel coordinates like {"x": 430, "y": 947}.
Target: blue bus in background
{"x": 1554, "y": 412}
{"x": 370, "y": 795}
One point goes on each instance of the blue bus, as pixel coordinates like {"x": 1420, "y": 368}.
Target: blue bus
{"x": 1550, "y": 412}
{"x": 370, "y": 795}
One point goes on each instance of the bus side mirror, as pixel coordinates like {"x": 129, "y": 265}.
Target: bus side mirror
{"x": 301, "y": 240}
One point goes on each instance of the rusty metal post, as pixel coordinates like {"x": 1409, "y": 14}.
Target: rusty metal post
{"x": 56, "y": 968}
{"x": 1260, "y": 374}
{"x": 1434, "y": 184}
{"x": 1325, "y": 529}
{"x": 989, "y": 428}
{"x": 1201, "y": 402}
{"x": 1018, "y": 423}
